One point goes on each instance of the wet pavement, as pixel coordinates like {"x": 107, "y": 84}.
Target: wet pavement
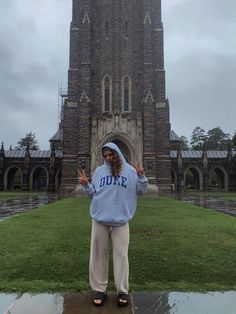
{"x": 20, "y": 205}
{"x": 211, "y": 202}
{"x": 140, "y": 303}
{"x": 185, "y": 303}
{"x": 58, "y": 304}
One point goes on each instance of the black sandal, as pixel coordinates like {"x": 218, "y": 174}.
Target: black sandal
{"x": 122, "y": 299}
{"x": 99, "y": 296}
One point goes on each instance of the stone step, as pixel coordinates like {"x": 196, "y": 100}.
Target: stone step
{"x": 76, "y": 303}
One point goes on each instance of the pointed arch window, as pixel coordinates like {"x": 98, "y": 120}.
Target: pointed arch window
{"x": 107, "y": 29}
{"x": 126, "y": 94}
{"x": 126, "y": 29}
{"x": 107, "y": 93}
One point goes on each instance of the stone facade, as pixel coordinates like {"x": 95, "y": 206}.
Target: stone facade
{"x": 116, "y": 88}
{"x": 28, "y": 170}
{"x": 203, "y": 170}
{"x": 190, "y": 170}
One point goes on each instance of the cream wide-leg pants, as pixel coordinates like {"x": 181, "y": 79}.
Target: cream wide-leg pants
{"x": 99, "y": 256}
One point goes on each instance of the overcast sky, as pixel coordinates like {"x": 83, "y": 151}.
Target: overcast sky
{"x": 200, "y": 64}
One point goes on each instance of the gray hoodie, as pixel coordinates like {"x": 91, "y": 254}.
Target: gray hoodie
{"x": 114, "y": 198}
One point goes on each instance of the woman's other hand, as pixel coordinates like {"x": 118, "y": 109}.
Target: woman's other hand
{"x": 83, "y": 179}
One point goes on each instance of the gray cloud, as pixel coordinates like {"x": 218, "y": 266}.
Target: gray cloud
{"x": 34, "y": 39}
{"x": 200, "y": 44}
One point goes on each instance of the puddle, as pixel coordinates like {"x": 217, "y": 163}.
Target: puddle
{"x": 20, "y": 205}
{"x": 37, "y": 304}
{"x": 140, "y": 303}
{"x": 185, "y": 303}
{"x": 6, "y": 300}
{"x": 210, "y": 202}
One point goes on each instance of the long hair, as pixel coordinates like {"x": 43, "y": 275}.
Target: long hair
{"x": 117, "y": 163}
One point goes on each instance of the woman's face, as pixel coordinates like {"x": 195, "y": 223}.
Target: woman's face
{"x": 108, "y": 156}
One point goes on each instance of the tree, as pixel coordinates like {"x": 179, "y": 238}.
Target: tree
{"x": 198, "y": 138}
{"x": 234, "y": 139}
{"x": 217, "y": 139}
{"x": 184, "y": 143}
{"x": 29, "y": 140}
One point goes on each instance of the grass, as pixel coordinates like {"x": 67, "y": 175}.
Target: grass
{"x": 11, "y": 195}
{"x": 225, "y": 195}
{"x": 173, "y": 246}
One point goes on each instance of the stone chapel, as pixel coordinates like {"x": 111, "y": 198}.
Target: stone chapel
{"x": 116, "y": 88}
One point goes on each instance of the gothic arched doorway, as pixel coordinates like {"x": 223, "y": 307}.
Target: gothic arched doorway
{"x": 192, "y": 180}
{"x": 217, "y": 179}
{"x": 40, "y": 179}
{"x": 124, "y": 143}
{"x": 14, "y": 179}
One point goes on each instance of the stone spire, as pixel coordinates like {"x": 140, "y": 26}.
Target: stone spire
{"x": 2, "y": 156}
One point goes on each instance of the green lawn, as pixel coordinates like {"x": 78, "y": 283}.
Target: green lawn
{"x": 173, "y": 246}
{"x": 12, "y": 194}
{"x": 226, "y": 195}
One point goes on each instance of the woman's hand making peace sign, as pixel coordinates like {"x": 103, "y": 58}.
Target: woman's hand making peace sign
{"x": 83, "y": 179}
{"x": 139, "y": 169}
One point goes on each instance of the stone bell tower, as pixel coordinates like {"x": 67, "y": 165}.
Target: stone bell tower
{"x": 116, "y": 88}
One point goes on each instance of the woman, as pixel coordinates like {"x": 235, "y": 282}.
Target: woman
{"x": 113, "y": 190}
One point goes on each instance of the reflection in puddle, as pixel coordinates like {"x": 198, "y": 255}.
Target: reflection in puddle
{"x": 195, "y": 303}
{"x": 185, "y": 303}
{"x": 148, "y": 303}
{"x": 20, "y": 205}
{"x": 37, "y": 304}
{"x": 5, "y": 301}
{"x": 210, "y": 202}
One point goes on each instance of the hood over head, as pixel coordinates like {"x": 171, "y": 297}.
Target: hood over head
{"x": 114, "y": 147}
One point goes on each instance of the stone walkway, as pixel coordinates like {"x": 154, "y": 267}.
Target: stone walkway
{"x": 140, "y": 303}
